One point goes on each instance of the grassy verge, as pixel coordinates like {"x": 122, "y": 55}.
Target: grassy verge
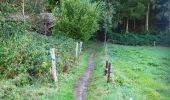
{"x": 66, "y": 86}
{"x": 63, "y": 90}
{"x": 140, "y": 73}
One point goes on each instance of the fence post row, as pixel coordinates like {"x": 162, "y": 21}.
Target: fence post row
{"x": 54, "y": 73}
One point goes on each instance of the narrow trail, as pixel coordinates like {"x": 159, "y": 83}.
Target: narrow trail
{"x": 81, "y": 85}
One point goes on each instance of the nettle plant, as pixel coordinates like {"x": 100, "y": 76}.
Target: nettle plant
{"x": 77, "y": 18}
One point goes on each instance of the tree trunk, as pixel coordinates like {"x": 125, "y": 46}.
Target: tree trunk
{"x": 134, "y": 24}
{"x": 127, "y": 26}
{"x": 147, "y": 16}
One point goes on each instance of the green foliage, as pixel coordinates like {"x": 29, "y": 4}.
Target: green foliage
{"x": 12, "y": 28}
{"x": 164, "y": 37}
{"x": 29, "y": 53}
{"x": 130, "y": 9}
{"x": 6, "y": 7}
{"x": 77, "y": 18}
{"x": 35, "y": 6}
{"x": 52, "y": 3}
{"x": 161, "y": 38}
{"x": 110, "y": 18}
{"x": 21, "y": 87}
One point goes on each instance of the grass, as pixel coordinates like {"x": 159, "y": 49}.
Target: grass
{"x": 140, "y": 73}
{"x": 63, "y": 90}
{"x": 66, "y": 85}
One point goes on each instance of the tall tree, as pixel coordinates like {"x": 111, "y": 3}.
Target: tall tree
{"x": 165, "y": 12}
{"x": 149, "y": 4}
{"x": 131, "y": 10}
{"x": 137, "y": 12}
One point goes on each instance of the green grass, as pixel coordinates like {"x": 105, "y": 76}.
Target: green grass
{"x": 63, "y": 90}
{"x": 68, "y": 80}
{"x": 140, "y": 73}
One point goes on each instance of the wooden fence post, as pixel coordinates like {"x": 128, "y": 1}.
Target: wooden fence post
{"x": 106, "y": 68}
{"x": 108, "y": 73}
{"x": 54, "y": 73}
{"x": 81, "y": 45}
{"x": 77, "y": 46}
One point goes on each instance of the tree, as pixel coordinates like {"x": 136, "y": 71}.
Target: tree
{"x": 77, "y": 18}
{"x": 165, "y": 11}
{"x": 149, "y": 4}
{"x": 137, "y": 12}
{"x": 131, "y": 10}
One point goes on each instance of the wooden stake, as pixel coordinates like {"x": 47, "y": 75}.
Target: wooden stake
{"x": 106, "y": 68}
{"x": 77, "y": 46}
{"x": 54, "y": 73}
{"x": 23, "y": 10}
{"x": 108, "y": 73}
{"x": 81, "y": 44}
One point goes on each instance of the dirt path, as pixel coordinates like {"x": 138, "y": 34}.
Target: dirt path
{"x": 80, "y": 87}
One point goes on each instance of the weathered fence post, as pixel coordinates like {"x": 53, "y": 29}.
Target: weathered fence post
{"x": 81, "y": 44}
{"x": 54, "y": 73}
{"x": 106, "y": 68}
{"x": 154, "y": 43}
{"x": 108, "y": 73}
{"x": 77, "y": 46}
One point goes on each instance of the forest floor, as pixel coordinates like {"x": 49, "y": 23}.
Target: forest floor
{"x": 81, "y": 85}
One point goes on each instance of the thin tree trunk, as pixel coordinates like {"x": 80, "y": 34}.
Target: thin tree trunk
{"x": 127, "y": 26}
{"x": 134, "y": 24}
{"x": 147, "y": 16}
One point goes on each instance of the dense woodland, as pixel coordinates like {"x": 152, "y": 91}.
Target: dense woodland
{"x": 29, "y": 28}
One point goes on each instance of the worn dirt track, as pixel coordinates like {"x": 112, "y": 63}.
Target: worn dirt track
{"x": 81, "y": 85}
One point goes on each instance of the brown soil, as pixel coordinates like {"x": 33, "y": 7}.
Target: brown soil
{"x": 81, "y": 85}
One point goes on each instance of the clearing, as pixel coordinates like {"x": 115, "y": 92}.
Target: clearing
{"x": 140, "y": 73}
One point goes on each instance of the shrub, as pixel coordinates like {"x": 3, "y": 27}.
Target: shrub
{"x": 161, "y": 38}
{"x": 77, "y": 18}
{"x": 29, "y": 53}
{"x": 9, "y": 28}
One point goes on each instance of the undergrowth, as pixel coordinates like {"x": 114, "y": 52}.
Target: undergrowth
{"x": 19, "y": 88}
{"x": 29, "y": 53}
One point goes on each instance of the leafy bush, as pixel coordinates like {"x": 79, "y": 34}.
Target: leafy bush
{"x": 164, "y": 37}
{"x": 77, "y": 18}
{"x": 29, "y": 53}
{"x": 161, "y": 38}
{"x": 9, "y": 28}
{"x": 6, "y": 7}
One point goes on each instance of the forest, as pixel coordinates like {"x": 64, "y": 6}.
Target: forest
{"x": 84, "y": 49}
